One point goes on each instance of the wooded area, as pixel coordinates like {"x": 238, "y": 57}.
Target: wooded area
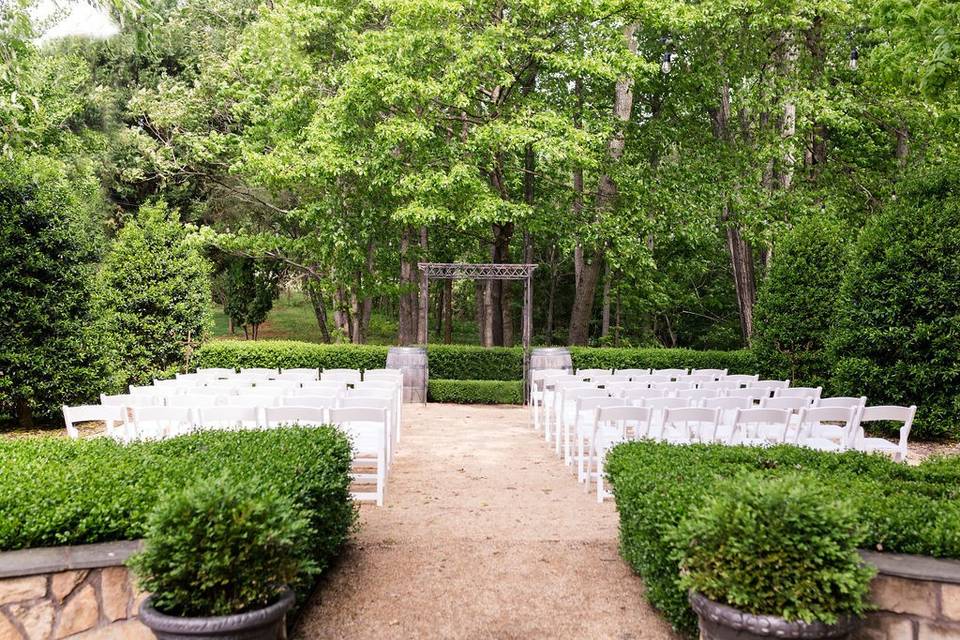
{"x": 647, "y": 155}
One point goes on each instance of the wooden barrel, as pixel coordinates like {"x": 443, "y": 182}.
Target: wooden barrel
{"x": 551, "y": 358}
{"x": 413, "y": 362}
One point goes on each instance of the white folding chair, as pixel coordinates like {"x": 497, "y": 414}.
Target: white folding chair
{"x": 671, "y": 388}
{"x": 632, "y": 373}
{"x": 790, "y": 404}
{"x": 713, "y": 373}
{"x": 611, "y": 426}
{"x": 229, "y": 418}
{"x": 690, "y": 424}
{"x": 671, "y": 373}
{"x": 175, "y": 385}
{"x": 606, "y": 380}
{"x": 885, "y": 414}
{"x": 658, "y": 409}
{"x": 113, "y": 417}
{"x": 741, "y": 379}
{"x": 697, "y": 380}
{"x": 566, "y": 408}
{"x": 754, "y": 393}
{"x": 588, "y": 374}
{"x": 253, "y": 400}
{"x": 843, "y": 402}
{"x": 582, "y": 428}
{"x": 538, "y": 393}
{"x": 696, "y": 395}
{"x": 215, "y": 372}
{"x": 279, "y": 387}
{"x": 827, "y": 428}
{"x": 367, "y": 428}
{"x": 316, "y": 402}
{"x": 760, "y": 427}
{"x": 195, "y": 401}
{"x": 728, "y": 408}
{"x": 637, "y": 396}
{"x": 651, "y": 379}
{"x": 799, "y": 392}
{"x": 161, "y": 422}
{"x": 719, "y": 385}
{"x": 380, "y": 399}
{"x": 127, "y": 400}
{"x": 274, "y": 417}
{"x": 265, "y": 372}
{"x": 771, "y": 384}
{"x": 350, "y": 376}
{"x": 300, "y": 373}
{"x": 383, "y": 374}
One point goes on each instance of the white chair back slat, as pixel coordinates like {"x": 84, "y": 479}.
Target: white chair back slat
{"x": 113, "y": 417}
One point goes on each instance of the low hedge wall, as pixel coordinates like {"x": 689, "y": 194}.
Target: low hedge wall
{"x": 475, "y": 391}
{"x": 906, "y": 509}
{"x": 56, "y": 491}
{"x": 458, "y": 362}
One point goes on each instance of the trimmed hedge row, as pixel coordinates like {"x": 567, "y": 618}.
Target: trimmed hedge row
{"x": 55, "y": 491}
{"x": 906, "y": 509}
{"x": 475, "y": 391}
{"x": 458, "y": 362}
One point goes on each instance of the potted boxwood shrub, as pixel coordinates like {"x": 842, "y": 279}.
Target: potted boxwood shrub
{"x": 776, "y": 558}
{"x": 217, "y": 561}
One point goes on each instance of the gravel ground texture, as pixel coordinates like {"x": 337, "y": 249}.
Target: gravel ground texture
{"x": 484, "y": 534}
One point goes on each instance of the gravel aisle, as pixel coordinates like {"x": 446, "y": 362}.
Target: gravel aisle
{"x": 484, "y": 534}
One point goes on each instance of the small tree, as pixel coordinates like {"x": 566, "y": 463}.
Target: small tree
{"x": 897, "y": 336}
{"x": 252, "y": 286}
{"x": 50, "y": 349}
{"x": 797, "y": 302}
{"x": 157, "y": 285}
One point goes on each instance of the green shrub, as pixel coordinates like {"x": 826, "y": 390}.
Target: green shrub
{"x": 56, "y": 491}
{"x": 475, "y": 391}
{"x": 741, "y": 361}
{"x": 902, "y": 508}
{"x": 781, "y": 547}
{"x": 51, "y": 349}
{"x": 157, "y": 287}
{"x": 458, "y": 362}
{"x": 897, "y": 338}
{"x": 289, "y": 354}
{"x": 222, "y": 546}
{"x": 797, "y": 302}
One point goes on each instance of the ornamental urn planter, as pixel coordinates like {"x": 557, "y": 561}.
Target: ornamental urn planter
{"x": 268, "y": 623}
{"x": 723, "y": 622}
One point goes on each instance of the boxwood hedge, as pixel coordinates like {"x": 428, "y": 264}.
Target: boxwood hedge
{"x": 907, "y": 509}
{"x": 457, "y": 362}
{"x": 476, "y": 391}
{"x": 55, "y": 491}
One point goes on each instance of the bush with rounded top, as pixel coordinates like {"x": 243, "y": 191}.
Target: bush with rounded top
{"x": 897, "y": 336}
{"x": 783, "y": 547}
{"x": 797, "y": 302}
{"x": 157, "y": 286}
{"x": 221, "y": 547}
{"x": 51, "y": 348}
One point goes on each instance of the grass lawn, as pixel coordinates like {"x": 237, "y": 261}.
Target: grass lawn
{"x": 292, "y": 318}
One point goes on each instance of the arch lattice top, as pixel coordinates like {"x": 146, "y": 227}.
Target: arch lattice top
{"x": 464, "y": 270}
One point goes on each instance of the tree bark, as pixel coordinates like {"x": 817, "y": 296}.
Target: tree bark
{"x": 423, "y": 301}
{"x": 741, "y": 260}
{"x": 589, "y": 267}
{"x": 447, "y": 311}
{"x": 319, "y": 310}
{"x": 407, "y": 325}
{"x": 605, "y": 309}
{"x": 552, "y": 294}
{"x": 480, "y": 302}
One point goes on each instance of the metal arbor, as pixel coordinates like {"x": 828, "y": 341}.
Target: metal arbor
{"x": 471, "y": 271}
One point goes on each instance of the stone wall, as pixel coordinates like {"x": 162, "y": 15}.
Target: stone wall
{"x": 82, "y": 592}
{"x": 916, "y": 598}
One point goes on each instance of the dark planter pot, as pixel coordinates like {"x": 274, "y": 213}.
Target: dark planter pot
{"x": 263, "y": 624}
{"x": 723, "y": 622}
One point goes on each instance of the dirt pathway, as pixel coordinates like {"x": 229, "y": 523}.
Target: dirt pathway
{"x": 484, "y": 534}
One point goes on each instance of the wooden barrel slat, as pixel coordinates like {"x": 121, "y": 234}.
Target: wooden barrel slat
{"x": 413, "y": 362}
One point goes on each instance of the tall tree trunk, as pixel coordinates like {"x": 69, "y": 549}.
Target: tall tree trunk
{"x": 341, "y": 313}
{"x": 489, "y": 314}
{"x": 407, "y": 325}
{"x": 423, "y": 289}
{"x": 480, "y": 302}
{"x": 741, "y": 259}
{"x": 319, "y": 309}
{"x": 504, "y": 235}
{"x": 590, "y": 266}
{"x": 616, "y": 330}
{"x": 903, "y": 144}
{"x": 447, "y": 311}
{"x": 605, "y": 312}
{"x": 552, "y": 294}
